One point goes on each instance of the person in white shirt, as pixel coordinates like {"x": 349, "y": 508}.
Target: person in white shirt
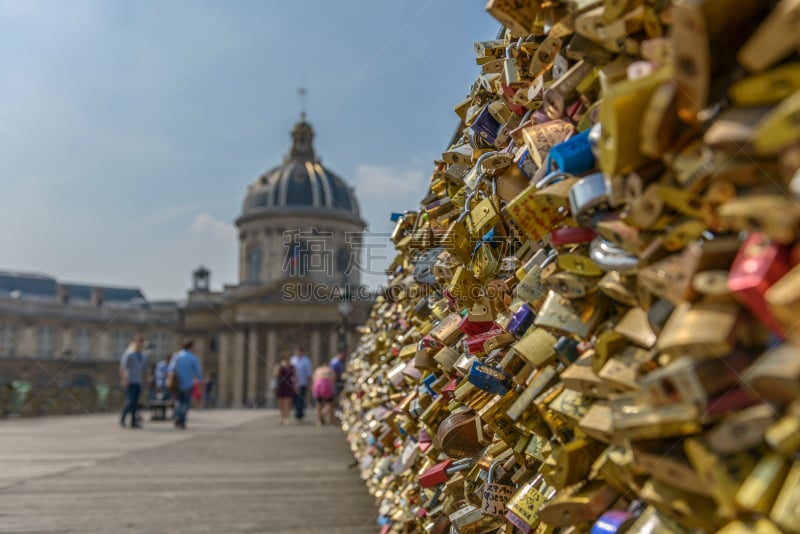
{"x": 302, "y": 369}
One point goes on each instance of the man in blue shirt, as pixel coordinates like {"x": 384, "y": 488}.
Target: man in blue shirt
{"x": 161, "y": 377}
{"x": 186, "y": 367}
{"x": 302, "y": 370}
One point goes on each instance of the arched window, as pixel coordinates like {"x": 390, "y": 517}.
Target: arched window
{"x": 253, "y": 264}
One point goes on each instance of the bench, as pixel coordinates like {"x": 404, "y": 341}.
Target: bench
{"x": 158, "y": 408}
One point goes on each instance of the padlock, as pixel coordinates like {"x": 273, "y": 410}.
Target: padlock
{"x": 758, "y": 265}
{"x": 495, "y": 496}
{"x": 783, "y": 301}
{"x": 570, "y": 463}
{"x": 530, "y": 287}
{"x": 667, "y": 463}
{"x": 687, "y": 381}
{"x": 702, "y": 330}
{"x": 489, "y": 378}
{"x": 741, "y": 431}
{"x": 757, "y": 526}
{"x": 475, "y": 344}
{"x": 562, "y": 314}
{"x": 573, "y": 156}
{"x": 785, "y": 513}
{"x": 523, "y": 508}
{"x": 579, "y": 504}
{"x": 621, "y": 109}
{"x": 686, "y": 508}
{"x": 435, "y": 475}
{"x": 588, "y": 196}
{"x": 540, "y": 381}
{"x": 564, "y": 89}
{"x": 460, "y": 435}
{"x": 775, "y": 375}
{"x": 759, "y": 491}
{"x": 638, "y": 421}
{"x": 622, "y": 370}
{"x": 541, "y": 138}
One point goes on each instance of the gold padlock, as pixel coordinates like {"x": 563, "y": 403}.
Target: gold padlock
{"x": 759, "y": 491}
{"x": 562, "y": 314}
{"x": 785, "y": 513}
{"x": 579, "y": 504}
{"x": 703, "y": 330}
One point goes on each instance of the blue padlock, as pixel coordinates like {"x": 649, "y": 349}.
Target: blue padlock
{"x": 573, "y": 156}
{"x": 488, "y": 378}
{"x": 526, "y": 164}
{"x": 486, "y": 126}
{"x": 427, "y": 382}
{"x": 521, "y": 320}
{"x": 612, "y": 522}
{"x": 566, "y": 349}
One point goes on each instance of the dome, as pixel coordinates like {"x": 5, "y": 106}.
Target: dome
{"x": 301, "y": 183}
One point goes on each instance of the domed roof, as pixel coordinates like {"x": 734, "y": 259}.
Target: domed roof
{"x": 301, "y": 183}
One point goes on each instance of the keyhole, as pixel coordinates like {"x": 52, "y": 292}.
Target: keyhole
{"x": 687, "y": 65}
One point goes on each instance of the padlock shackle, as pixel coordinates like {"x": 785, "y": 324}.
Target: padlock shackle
{"x": 552, "y": 178}
{"x": 514, "y": 46}
{"x": 478, "y": 166}
{"x": 490, "y": 475}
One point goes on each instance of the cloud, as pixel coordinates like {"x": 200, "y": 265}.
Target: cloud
{"x": 206, "y": 224}
{"x": 379, "y": 182}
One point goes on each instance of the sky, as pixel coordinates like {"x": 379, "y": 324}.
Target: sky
{"x": 129, "y": 131}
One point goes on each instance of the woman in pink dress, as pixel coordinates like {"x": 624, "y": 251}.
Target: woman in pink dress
{"x": 322, "y": 390}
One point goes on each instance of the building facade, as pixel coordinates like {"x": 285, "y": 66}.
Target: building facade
{"x": 299, "y": 285}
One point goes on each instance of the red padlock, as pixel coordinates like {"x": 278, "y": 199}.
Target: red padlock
{"x": 449, "y": 391}
{"x": 435, "y": 475}
{"x": 758, "y": 264}
{"x": 472, "y": 328}
{"x": 474, "y": 344}
{"x": 571, "y": 236}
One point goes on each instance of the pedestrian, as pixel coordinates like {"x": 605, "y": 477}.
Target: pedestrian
{"x": 131, "y": 374}
{"x": 209, "y": 399}
{"x": 197, "y": 394}
{"x": 302, "y": 369}
{"x": 337, "y": 364}
{"x": 161, "y": 378}
{"x": 284, "y": 387}
{"x": 186, "y": 368}
{"x": 322, "y": 389}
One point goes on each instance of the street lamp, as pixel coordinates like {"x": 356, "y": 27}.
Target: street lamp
{"x": 345, "y": 308}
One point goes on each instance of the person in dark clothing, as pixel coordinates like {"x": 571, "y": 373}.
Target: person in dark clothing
{"x": 285, "y": 387}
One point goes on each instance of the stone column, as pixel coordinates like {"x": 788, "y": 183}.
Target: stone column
{"x": 272, "y": 360}
{"x": 223, "y": 370}
{"x": 237, "y": 395}
{"x": 201, "y": 349}
{"x": 253, "y": 355}
{"x": 315, "y": 348}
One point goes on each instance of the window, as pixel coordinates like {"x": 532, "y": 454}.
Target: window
{"x": 44, "y": 338}
{"x": 160, "y": 344}
{"x": 120, "y": 340}
{"x": 83, "y": 343}
{"x": 8, "y": 342}
{"x": 253, "y": 264}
